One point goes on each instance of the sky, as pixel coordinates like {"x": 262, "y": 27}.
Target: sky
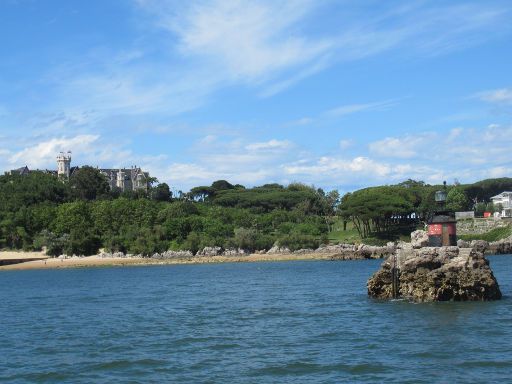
{"x": 337, "y": 94}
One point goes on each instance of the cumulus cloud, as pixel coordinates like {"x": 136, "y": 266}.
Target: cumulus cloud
{"x": 402, "y": 147}
{"x": 339, "y": 167}
{"x": 44, "y": 153}
{"x": 92, "y": 150}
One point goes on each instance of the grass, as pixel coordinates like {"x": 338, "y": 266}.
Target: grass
{"x": 493, "y": 235}
{"x": 351, "y": 236}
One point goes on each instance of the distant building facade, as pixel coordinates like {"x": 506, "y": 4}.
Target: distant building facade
{"x": 127, "y": 179}
{"x": 504, "y": 199}
{"x": 124, "y": 179}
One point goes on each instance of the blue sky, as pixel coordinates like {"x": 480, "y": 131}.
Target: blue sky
{"x": 338, "y": 94}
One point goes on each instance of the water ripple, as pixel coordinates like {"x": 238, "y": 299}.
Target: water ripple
{"x": 243, "y": 323}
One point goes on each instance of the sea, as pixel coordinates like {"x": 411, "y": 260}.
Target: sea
{"x": 264, "y": 322}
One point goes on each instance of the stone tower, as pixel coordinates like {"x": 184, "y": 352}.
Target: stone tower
{"x": 64, "y": 164}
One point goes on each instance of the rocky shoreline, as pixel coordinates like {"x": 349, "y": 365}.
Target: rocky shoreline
{"x": 335, "y": 252}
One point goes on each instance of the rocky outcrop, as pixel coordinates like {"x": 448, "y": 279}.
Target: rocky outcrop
{"x": 437, "y": 274}
{"x": 168, "y": 255}
{"x": 235, "y": 252}
{"x": 276, "y": 249}
{"x": 210, "y": 251}
{"x": 419, "y": 239}
{"x": 116, "y": 255}
{"x": 356, "y": 252}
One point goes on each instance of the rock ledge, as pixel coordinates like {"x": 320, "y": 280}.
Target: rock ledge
{"x": 437, "y": 274}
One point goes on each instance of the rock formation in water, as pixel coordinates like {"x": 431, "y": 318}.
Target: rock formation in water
{"x": 419, "y": 239}
{"x": 437, "y": 274}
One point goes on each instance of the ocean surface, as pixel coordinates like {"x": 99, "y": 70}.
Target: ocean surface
{"x": 292, "y": 322}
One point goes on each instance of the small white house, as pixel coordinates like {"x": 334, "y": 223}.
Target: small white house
{"x": 505, "y": 200}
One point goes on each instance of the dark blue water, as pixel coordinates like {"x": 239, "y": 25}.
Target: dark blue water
{"x": 294, "y": 322}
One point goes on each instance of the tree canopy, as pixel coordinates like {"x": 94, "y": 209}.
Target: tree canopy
{"x": 88, "y": 183}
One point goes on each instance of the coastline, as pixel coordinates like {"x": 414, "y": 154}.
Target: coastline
{"x": 97, "y": 261}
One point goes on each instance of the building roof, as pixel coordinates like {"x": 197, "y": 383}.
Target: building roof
{"x": 502, "y": 195}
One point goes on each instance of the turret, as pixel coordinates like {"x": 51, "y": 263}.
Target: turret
{"x": 64, "y": 164}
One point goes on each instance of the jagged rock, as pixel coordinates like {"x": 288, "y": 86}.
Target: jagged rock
{"x": 403, "y": 245}
{"x": 177, "y": 254}
{"x": 463, "y": 244}
{"x": 338, "y": 248}
{"x": 502, "y": 247}
{"x": 479, "y": 245}
{"x": 210, "y": 251}
{"x": 276, "y": 249}
{"x": 235, "y": 252}
{"x": 419, "y": 239}
{"x": 438, "y": 274}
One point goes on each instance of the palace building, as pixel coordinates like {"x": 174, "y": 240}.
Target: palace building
{"x": 125, "y": 179}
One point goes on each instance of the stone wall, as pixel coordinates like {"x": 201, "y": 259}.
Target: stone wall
{"x": 479, "y": 226}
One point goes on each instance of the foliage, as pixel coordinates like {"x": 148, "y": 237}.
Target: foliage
{"x": 87, "y": 183}
{"x": 457, "y": 200}
{"x": 380, "y": 209}
{"x": 82, "y": 215}
{"x": 161, "y": 192}
{"x": 493, "y": 235}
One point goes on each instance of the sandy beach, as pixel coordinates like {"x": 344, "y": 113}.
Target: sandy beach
{"x": 97, "y": 261}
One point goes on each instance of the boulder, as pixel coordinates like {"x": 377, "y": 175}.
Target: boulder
{"x": 277, "y": 250}
{"x": 463, "y": 244}
{"x": 419, "y": 239}
{"x": 235, "y": 252}
{"x": 479, "y": 245}
{"x": 437, "y": 274}
{"x": 210, "y": 251}
{"x": 500, "y": 247}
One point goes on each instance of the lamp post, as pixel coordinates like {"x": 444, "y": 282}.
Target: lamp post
{"x": 442, "y": 229}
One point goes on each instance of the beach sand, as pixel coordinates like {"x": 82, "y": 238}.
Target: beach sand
{"x": 96, "y": 261}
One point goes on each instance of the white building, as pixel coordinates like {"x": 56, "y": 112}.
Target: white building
{"x": 123, "y": 179}
{"x": 504, "y": 199}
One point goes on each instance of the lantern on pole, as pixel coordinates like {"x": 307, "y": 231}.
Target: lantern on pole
{"x": 442, "y": 229}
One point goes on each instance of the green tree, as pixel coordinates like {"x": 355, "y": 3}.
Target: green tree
{"x": 89, "y": 184}
{"x": 161, "y": 192}
{"x": 220, "y": 185}
{"x": 456, "y": 200}
{"x": 246, "y": 238}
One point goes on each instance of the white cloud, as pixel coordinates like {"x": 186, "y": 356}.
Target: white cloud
{"x": 44, "y": 153}
{"x": 339, "y": 166}
{"x": 249, "y": 39}
{"x": 355, "y": 108}
{"x": 346, "y": 144}
{"x": 404, "y": 147}
{"x": 91, "y": 150}
{"x": 497, "y": 96}
{"x": 269, "y": 145}
{"x": 212, "y": 44}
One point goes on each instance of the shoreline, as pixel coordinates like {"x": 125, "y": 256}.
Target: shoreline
{"x": 97, "y": 261}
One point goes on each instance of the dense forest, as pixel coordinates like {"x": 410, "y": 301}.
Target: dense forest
{"x": 82, "y": 215}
